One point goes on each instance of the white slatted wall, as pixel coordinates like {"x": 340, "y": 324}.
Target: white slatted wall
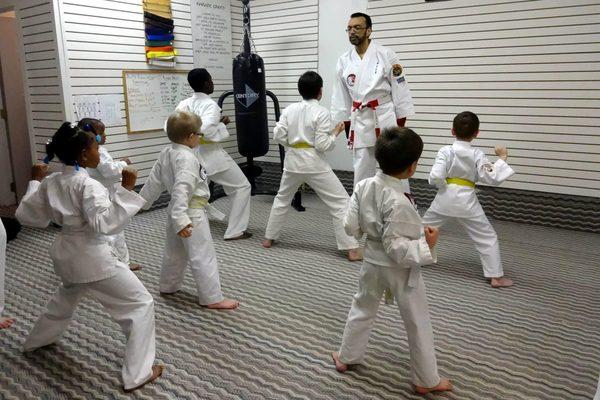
{"x": 42, "y": 74}
{"x": 529, "y": 69}
{"x": 104, "y": 37}
{"x": 286, "y": 36}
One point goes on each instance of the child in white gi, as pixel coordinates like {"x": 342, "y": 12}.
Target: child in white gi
{"x": 394, "y": 252}
{"x": 456, "y": 170}
{"x": 81, "y": 255}
{"x": 305, "y": 129}
{"x": 219, "y": 165}
{"x": 188, "y": 234}
{"x": 108, "y": 172}
{"x": 4, "y": 321}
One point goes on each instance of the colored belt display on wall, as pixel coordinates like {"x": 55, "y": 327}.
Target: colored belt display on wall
{"x": 158, "y": 21}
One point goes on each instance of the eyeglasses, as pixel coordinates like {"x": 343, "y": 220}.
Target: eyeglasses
{"x": 356, "y": 28}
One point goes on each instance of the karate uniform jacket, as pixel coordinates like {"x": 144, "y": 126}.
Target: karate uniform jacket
{"x": 177, "y": 171}
{"x": 305, "y": 123}
{"x": 108, "y": 172}
{"x": 210, "y": 153}
{"x": 461, "y": 160}
{"x": 381, "y": 209}
{"x": 370, "y": 92}
{"x": 81, "y": 205}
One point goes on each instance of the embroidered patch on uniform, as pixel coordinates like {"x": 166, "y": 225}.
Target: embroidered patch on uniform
{"x": 400, "y": 79}
{"x": 397, "y": 69}
{"x": 202, "y": 174}
{"x": 489, "y": 167}
{"x": 351, "y": 79}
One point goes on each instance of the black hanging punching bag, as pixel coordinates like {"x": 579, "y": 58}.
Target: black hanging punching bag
{"x": 249, "y": 91}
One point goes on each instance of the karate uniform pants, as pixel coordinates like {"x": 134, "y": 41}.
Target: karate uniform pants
{"x": 366, "y": 166}
{"x": 236, "y": 185}
{"x": 119, "y": 247}
{"x": 412, "y": 303}
{"x": 199, "y": 251}
{"x": 2, "y": 264}
{"x": 597, "y": 396}
{"x": 481, "y": 233}
{"x": 128, "y": 303}
{"x": 329, "y": 189}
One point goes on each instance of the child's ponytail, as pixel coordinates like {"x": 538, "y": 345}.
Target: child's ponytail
{"x": 67, "y": 144}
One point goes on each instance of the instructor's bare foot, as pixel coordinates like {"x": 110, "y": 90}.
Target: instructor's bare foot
{"x": 444, "y": 386}
{"x": 339, "y": 366}
{"x": 355, "y": 254}
{"x": 226, "y": 304}
{"x": 157, "y": 371}
{"x": 501, "y": 282}
{"x": 6, "y": 322}
{"x": 267, "y": 243}
{"x": 134, "y": 266}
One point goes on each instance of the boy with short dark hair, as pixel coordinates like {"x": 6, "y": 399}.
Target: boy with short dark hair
{"x": 219, "y": 165}
{"x": 456, "y": 170}
{"x": 395, "y": 250}
{"x": 305, "y": 129}
{"x": 188, "y": 234}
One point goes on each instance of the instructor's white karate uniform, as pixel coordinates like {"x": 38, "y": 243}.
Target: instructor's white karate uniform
{"x": 372, "y": 96}
{"x": 2, "y": 264}
{"x": 394, "y": 252}
{"x": 82, "y": 259}
{"x": 457, "y": 199}
{"x": 219, "y": 165}
{"x": 177, "y": 170}
{"x": 305, "y": 130}
{"x": 108, "y": 172}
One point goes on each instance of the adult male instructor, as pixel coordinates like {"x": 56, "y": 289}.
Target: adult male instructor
{"x": 370, "y": 94}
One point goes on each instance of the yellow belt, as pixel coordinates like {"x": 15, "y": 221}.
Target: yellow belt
{"x": 198, "y": 202}
{"x": 301, "y": 145}
{"x": 460, "y": 182}
{"x": 156, "y": 54}
{"x": 204, "y": 141}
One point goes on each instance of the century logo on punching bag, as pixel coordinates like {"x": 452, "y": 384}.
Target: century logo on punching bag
{"x": 248, "y": 98}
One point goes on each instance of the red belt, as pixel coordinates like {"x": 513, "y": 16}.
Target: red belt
{"x": 357, "y": 105}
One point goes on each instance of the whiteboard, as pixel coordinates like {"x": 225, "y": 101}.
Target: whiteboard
{"x": 150, "y": 96}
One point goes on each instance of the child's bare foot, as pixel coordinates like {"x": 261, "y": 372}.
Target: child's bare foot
{"x": 339, "y": 366}
{"x": 6, "y": 322}
{"x": 501, "y": 282}
{"x": 267, "y": 243}
{"x": 135, "y": 266}
{"x": 444, "y": 386}
{"x": 355, "y": 254}
{"x": 226, "y": 304}
{"x": 157, "y": 371}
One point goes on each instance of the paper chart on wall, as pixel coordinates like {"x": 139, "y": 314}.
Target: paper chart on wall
{"x": 105, "y": 107}
{"x": 151, "y": 96}
{"x": 211, "y": 35}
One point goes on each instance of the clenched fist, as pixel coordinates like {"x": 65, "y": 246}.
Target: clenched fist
{"x": 129, "y": 176}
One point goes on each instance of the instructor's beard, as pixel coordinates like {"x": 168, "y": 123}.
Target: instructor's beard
{"x": 355, "y": 40}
